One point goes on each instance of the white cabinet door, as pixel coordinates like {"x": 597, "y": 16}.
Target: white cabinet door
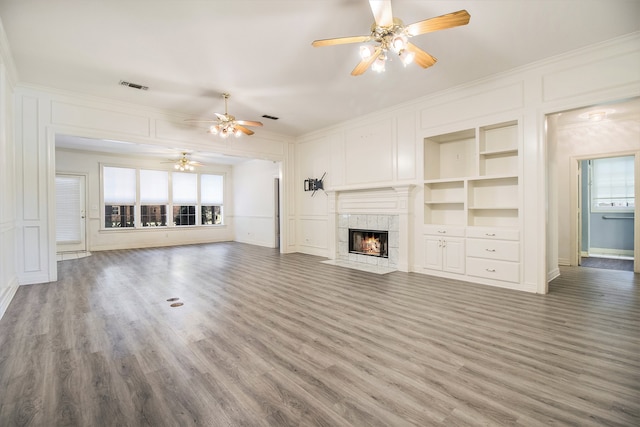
{"x": 453, "y": 255}
{"x": 444, "y": 254}
{"x": 432, "y": 253}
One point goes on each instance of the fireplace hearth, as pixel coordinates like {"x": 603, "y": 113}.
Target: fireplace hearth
{"x": 369, "y": 242}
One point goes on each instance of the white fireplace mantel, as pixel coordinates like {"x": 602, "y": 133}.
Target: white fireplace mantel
{"x": 383, "y": 200}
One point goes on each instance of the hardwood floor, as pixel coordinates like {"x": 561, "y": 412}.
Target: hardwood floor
{"x": 270, "y": 339}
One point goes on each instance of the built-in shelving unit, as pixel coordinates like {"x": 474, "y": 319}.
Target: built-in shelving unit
{"x": 472, "y": 177}
{"x": 472, "y": 203}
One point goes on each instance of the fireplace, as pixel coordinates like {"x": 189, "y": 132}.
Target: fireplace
{"x": 369, "y": 242}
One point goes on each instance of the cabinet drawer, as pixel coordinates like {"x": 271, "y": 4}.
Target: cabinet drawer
{"x": 502, "y": 250}
{"x": 493, "y": 233}
{"x": 492, "y": 269}
{"x": 444, "y": 231}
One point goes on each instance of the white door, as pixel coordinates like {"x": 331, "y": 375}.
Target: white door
{"x": 70, "y": 213}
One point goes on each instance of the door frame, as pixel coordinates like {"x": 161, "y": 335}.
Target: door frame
{"x": 574, "y": 205}
{"x": 85, "y": 198}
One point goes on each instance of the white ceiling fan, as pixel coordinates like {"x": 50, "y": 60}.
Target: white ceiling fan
{"x": 390, "y": 35}
{"x": 226, "y": 124}
{"x": 184, "y": 163}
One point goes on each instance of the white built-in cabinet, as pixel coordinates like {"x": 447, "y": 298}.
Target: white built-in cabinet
{"x": 444, "y": 251}
{"x": 472, "y": 203}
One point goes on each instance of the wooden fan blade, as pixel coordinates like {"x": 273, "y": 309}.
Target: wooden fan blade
{"x": 443, "y": 22}
{"x": 421, "y": 58}
{"x": 248, "y": 123}
{"x": 340, "y": 40}
{"x": 244, "y": 130}
{"x": 365, "y": 63}
{"x": 382, "y": 12}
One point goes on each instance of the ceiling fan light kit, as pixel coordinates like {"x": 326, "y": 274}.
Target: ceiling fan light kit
{"x": 183, "y": 164}
{"x": 390, "y": 35}
{"x": 226, "y": 124}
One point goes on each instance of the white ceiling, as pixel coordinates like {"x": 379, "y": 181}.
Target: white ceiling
{"x": 189, "y": 52}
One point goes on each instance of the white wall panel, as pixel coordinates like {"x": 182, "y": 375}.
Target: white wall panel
{"x": 336, "y": 173}
{"x": 9, "y": 258}
{"x": 473, "y": 103}
{"x": 313, "y": 233}
{"x": 605, "y": 73}
{"x": 82, "y": 116}
{"x": 406, "y": 145}
{"x": 30, "y": 155}
{"x": 31, "y": 256}
{"x": 369, "y": 153}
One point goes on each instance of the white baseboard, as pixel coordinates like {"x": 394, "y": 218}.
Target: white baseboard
{"x": 552, "y": 274}
{"x": 611, "y": 252}
{"x": 6, "y": 295}
{"x": 564, "y": 262}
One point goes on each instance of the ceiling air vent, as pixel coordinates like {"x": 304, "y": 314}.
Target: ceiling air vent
{"x": 266, "y": 116}
{"x": 133, "y": 85}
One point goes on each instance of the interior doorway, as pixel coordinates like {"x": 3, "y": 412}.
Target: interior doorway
{"x": 606, "y": 212}
{"x": 597, "y": 131}
{"x": 70, "y": 214}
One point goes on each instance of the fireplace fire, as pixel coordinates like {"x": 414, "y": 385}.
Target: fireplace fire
{"x": 368, "y": 242}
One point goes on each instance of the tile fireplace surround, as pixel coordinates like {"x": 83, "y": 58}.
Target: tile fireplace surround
{"x": 368, "y": 222}
{"x": 383, "y": 209}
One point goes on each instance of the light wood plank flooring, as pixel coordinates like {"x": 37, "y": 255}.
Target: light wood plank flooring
{"x": 265, "y": 339}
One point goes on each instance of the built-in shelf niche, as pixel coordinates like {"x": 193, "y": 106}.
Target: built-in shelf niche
{"x": 471, "y": 177}
{"x": 444, "y": 213}
{"x": 445, "y": 192}
{"x": 451, "y": 155}
{"x": 498, "y": 149}
{"x": 496, "y": 193}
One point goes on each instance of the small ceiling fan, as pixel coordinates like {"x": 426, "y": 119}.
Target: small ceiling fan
{"x": 392, "y": 36}
{"x": 184, "y": 164}
{"x": 226, "y": 124}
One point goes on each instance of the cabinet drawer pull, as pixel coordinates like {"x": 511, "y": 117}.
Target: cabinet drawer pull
{"x": 491, "y": 270}
{"x": 442, "y": 232}
{"x": 490, "y": 250}
{"x": 490, "y": 234}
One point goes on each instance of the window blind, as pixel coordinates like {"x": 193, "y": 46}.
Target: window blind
{"x": 68, "y": 210}
{"x": 154, "y": 187}
{"x": 119, "y": 185}
{"x": 612, "y": 183}
{"x": 211, "y": 189}
{"x": 185, "y": 188}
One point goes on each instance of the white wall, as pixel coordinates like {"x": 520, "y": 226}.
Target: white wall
{"x": 254, "y": 204}
{"x": 88, "y": 164}
{"x": 8, "y": 275}
{"x": 394, "y": 138}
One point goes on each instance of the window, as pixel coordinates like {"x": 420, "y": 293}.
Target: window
{"x": 612, "y": 184}
{"x": 154, "y": 198}
{"x": 211, "y": 215}
{"x": 185, "y": 198}
{"x": 211, "y": 198}
{"x": 119, "y": 192}
{"x": 195, "y": 199}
